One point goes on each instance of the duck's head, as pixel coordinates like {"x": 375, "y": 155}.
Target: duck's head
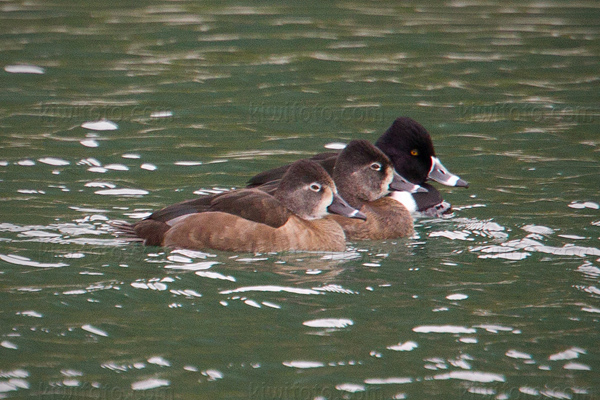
{"x": 408, "y": 145}
{"x": 308, "y": 191}
{"x": 363, "y": 173}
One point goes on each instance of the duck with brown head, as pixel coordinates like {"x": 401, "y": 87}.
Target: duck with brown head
{"x": 365, "y": 176}
{"x": 252, "y": 220}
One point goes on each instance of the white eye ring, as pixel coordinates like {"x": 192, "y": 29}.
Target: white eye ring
{"x": 315, "y": 187}
{"x": 375, "y": 166}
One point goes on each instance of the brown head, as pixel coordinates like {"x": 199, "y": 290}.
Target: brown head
{"x": 308, "y": 191}
{"x": 362, "y": 173}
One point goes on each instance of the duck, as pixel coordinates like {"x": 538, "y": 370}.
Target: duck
{"x": 409, "y": 146}
{"x": 365, "y": 177}
{"x": 291, "y": 218}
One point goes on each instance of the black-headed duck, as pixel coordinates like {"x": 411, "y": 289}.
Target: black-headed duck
{"x": 408, "y": 144}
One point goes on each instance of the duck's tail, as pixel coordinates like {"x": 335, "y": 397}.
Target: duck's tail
{"x": 147, "y": 231}
{"x": 124, "y": 230}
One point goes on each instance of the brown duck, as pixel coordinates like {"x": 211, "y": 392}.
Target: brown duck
{"x": 365, "y": 177}
{"x": 253, "y": 220}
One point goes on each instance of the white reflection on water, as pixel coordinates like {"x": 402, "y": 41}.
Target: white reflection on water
{"x": 498, "y": 328}
{"x": 568, "y": 354}
{"x": 193, "y": 266}
{"x": 469, "y": 229}
{"x": 350, "y": 387}
{"x": 148, "y": 167}
{"x": 511, "y": 249}
{"x": 157, "y": 360}
{"x": 388, "y": 381}
{"x": 85, "y": 231}
{"x": 577, "y": 366}
{"x": 117, "y": 167}
{"x": 212, "y": 374}
{"x": 251, "y": 303}
{"x": 26, "y": 163}
{"x": 271, "y": 305}
{"x": 443, "y": 329}
{"x": 215, "y": 275}
{"x": 94, "y": 330}
{"x": 24, "y": 69}
{"x": 89, "y": 143}
{"x": 152, "y": 284}
{"x": 122, "y": 192}
{"x": 473, "y": 376}
{"x": 54, "y": 161}
{"x": 332, "y": 288}
{"x": 30, "y": 313}
{"x": 329, "y": 323}
{"x": 303, "y": 364}
{"x": 457, "y": 296}
{"x": 13, "y": 384}
{"x": 588, "y": 269}
{"x": 8, "y": 345}
{"x": 346, "y": 255}
{"x": 192, "y": 253}
{"x": 518, "y": 354}
{"x": 102, "y": 125}
{"x": 408, "y": 346}
{"x": 19, "y": 260}
{"x": 473, "y": 230}
{"x": 587, "y": 204}
{"x": 270, "y": 288}
{"x": 148, "y": 384}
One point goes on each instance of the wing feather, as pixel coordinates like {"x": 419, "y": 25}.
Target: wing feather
{"x": 251, "y": 204}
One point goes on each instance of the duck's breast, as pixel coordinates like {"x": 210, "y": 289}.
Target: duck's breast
{"x": 386, "y": 219}
{"x": 314, "y": 235}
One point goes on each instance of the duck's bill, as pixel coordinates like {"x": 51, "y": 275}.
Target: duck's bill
{"x": 341, "y": 207}
{"x": 401, "y": 184}
{"x": 440, "y": 174}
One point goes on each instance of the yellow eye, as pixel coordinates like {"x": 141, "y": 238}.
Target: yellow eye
{"x": 414, "y": 152}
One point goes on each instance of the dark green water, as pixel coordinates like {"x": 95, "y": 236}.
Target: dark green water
{"x": 501, "y": 301}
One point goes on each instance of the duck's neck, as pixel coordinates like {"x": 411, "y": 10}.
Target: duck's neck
{"x": 349, "y": 191}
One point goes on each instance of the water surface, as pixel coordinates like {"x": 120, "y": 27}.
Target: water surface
{"x": 109, "y": 111}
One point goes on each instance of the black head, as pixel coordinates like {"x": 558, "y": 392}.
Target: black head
{"x": 362, "y": 173}
{"x": 408, "y": 144}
